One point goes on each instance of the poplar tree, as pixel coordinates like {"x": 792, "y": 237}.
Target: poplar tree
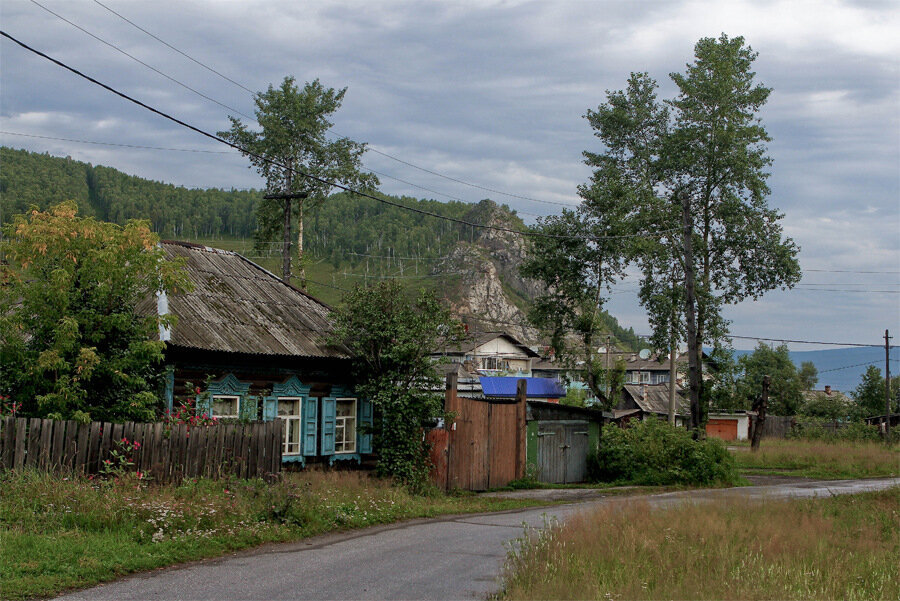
{"x": 692, "y": 173}
{"x": 292, "y": 139}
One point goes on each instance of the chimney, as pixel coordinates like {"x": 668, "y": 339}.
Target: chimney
{"x": 827, "y": 389}
{"x": 643, "y": 392}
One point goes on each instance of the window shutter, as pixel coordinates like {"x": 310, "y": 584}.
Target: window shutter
{"x": 270, "y": 408}
{"x": 329, "y": 410}
{"x": 203, "y": 405}
{"x": 310, "y": 426}
{"x": 365, "y": 432}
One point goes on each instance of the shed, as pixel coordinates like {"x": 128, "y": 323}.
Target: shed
{"x": 728, "y": 426}
{"x": 559, "y": 440}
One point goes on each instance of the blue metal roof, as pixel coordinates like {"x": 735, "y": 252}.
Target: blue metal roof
{"x": 535, "y": 387}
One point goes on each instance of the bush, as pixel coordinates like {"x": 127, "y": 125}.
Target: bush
{"x": 655, "y": 453}
{"x": 815, "y": 429}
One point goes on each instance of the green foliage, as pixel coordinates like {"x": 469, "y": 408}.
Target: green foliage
{"x": 72, "y": 344}
{"x": 869, "y": 394}
{"x": 808, "y": 375}
{"x": 706, "y": 143}
{"x": 785, "y": 389}
{"x": 292, "y": 140}
{"x": 391, "y": 338}
{"x": 655, "y": 453}
{"x": 813, "y": 429}
{"x": 834, "y": 406}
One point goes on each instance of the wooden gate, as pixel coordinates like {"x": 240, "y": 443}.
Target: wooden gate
{"x": 562, "y": 451}
{"x": 484, "y": 446}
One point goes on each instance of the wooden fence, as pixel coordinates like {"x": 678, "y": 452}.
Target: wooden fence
{"x": 165, "y": 454}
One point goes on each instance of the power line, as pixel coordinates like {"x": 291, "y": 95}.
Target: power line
{"x": 824, "y": 371}
{"x": 168, "y": 45}
{"x": 853, "y": 271}
{"x": 136, "y": 59}
{"x": 12, "y": 133}
{"x": 311, "y": 176}
{"x": 785, "y": 340}
{"x": 370, "y": 147}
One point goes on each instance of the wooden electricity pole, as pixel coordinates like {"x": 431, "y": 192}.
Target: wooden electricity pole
{"x": 760, "y": 406}
{"x": 286, "y": 233}
{"x": 887, "y": 387}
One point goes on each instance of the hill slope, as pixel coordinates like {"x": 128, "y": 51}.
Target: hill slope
{"x": 349, "y": 239}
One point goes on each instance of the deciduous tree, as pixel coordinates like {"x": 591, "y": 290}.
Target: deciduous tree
{"x": 391, "y": 338}
{"x": 292, "y": 139}
{"x": 72, "y": 345}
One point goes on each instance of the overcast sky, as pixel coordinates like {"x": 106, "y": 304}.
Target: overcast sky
{"x": 493, "y": 94}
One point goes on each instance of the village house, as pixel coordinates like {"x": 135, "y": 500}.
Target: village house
{"x": 491, "y": 354}
{"x": 247, "y": 345}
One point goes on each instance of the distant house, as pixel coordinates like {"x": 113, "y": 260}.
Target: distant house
{"x": 257, "y": 348}
{"x": 492, "y": 354}
{"x": 642, "y": 401}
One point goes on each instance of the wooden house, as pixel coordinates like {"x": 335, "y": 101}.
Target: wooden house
{"x": 492, "y": 354}
{"x": 248, "y": 345}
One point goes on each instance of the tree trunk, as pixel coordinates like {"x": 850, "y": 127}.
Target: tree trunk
{"x": 300, "y": 270}
{"x": 760, "y": 406}
{"x": 690, "y": 313}
{"x": 286, "y": 233}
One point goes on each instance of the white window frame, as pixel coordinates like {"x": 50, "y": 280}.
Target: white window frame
{"x": 237, "y": 406}
{"x": 291, "y": 422}
{"x": 643, "y": 377}
{"x": 340, "y": 425}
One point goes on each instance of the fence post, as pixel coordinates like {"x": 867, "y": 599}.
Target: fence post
{"x": 521, "y": 415}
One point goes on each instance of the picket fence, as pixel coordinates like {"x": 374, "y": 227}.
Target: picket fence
{"x": 167, "y": 453}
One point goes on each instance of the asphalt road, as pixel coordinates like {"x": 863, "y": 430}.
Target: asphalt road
{"x": 455, "y": 557}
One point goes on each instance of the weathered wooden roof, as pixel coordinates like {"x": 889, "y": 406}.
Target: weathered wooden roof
{"x": 237, "y": 306}
{"x": 655, "y": 398}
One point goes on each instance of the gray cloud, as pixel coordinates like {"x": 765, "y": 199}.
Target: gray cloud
{"x": 494, "y": 93}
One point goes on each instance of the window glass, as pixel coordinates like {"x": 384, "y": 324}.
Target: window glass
{"x": 345, "y": 426}
{"x": 289, "y": 413}
{"x": 225, "y": 406}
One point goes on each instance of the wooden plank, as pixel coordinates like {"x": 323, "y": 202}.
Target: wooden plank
{"x": 165, "y": 451}
{"x": 8, "y": 440}
{"x": 154, "y": 441}
{"x": 245, "y": 451}
{"x": 58, "y": 452}
{"x": 216, "y": 468}
{"x": 19, "y": 459}
{"x": 180, "y": 454}
{"x": 46, "y": 444}
{"x": 34, "y": 441}
{"x": 116, "y": 435}
{"x": 93, "y": 454}
{"x": 147, "y": 447}
{"x": 105, "y": 444}
{"x": 84, "y": 431}
{"x": 253, "y": 450}
{"x": 192, "y": 459}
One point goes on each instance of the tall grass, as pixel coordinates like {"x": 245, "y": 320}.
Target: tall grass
{"x": 826, "y": 460}
{"x": 837, "y": 548}
{"x": 59, "y": 533}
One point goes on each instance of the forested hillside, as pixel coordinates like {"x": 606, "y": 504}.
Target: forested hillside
{"x": 349, "y": 239}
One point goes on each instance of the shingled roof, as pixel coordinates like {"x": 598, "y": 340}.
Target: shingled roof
{"x": 237, "y": 306}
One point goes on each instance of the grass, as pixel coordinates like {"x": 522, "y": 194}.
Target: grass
{"x": 61, "y": 533}
{"x": 821, "y": 460}
{"x": 843, "y": 547}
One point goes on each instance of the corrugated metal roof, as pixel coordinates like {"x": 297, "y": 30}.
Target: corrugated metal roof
{"x": 237, "y": 306}
{"x": 535, "y": 387}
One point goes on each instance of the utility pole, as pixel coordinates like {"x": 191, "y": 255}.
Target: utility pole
{"x": 286, "y": 239}
{"x": 887, "y": 387}
{"x": 608, "y": 383}
{"x": 690, "y": 312}
{"x": 673, "y": 375}
{"x": 760, "y": 406}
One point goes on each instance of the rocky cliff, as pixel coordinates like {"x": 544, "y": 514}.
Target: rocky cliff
{"x": 484, "y": 286}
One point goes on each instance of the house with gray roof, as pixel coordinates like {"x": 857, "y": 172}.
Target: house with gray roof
{"x": 257, "y": 348}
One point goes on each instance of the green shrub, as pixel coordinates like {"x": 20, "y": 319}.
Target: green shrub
{"x": 814, "y": 429}
{"x": 655, "y": 453}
